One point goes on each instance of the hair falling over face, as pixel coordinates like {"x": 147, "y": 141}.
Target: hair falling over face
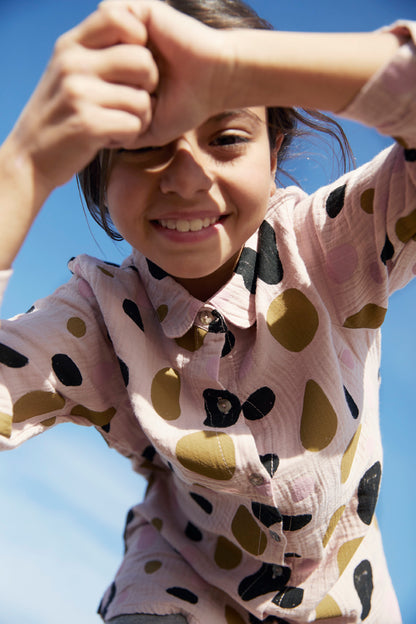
{"x": 292, "y": 123}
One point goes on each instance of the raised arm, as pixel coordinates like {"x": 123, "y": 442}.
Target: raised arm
{"x": 94, "y": 94}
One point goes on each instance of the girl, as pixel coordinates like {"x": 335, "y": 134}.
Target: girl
{"x": 240, "y": 340}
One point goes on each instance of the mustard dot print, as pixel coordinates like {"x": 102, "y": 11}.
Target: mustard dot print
{"x": 406, "y": 227}
{"x": 208, "y": 453}
{"x": 165, "y": 391}
{"x": 162, "y": 312}
{"x": 346, "y": 553}
{"x": 157, "y": 523}
{"x": 76, "y": 326}
{"x": 328, "y": 608}
{"x": 49, "y": 422}
{"x": 367, "y": 201}
{"x": 247, "y": 532}
{"x": 36, "y": 403}
{"x": 5, "y": 425}
{"x": 227, "y": 555}
{"x": 292, "y": 320}
{"x": 332, "y": 525}
{"x": 152, "y": 566}
{"x": 104, "y": 271}
{"x": 96, "y": 418}
{"x": 319, "y": 421}
{"x": 349, "y": 455}
{"x": 371, "y": 316}
{"x": 232, "y": 616}
{"x": 192, "y": 340}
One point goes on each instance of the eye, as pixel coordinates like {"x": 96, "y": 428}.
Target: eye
{"x": 229, "y": 139}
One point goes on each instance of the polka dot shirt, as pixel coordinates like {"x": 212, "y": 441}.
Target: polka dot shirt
{"x": 253, "y": 415}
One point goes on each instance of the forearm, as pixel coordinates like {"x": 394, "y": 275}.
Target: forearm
{"x": 21, "y": 198}
{"x": 308, "y": 70}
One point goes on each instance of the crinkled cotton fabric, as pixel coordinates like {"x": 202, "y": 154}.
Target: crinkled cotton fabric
{"x": 254, "y": 415}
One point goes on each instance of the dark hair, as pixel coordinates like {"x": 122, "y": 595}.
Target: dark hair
{"x": 289, "y": 122}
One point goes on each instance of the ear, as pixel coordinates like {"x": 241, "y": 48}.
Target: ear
{"x": 273, "y": 163}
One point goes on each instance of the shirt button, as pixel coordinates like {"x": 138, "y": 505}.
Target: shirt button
{"x": 206, "y": 317}
{"x": 256, "y": 479}
{"x": 224, "y": 406}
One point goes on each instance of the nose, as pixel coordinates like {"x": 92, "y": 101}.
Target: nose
{"x": 185, "y": 174}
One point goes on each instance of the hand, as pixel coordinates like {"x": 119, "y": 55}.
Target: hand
{"x": 93, "y": 94}
{"x": 194, "y": 63}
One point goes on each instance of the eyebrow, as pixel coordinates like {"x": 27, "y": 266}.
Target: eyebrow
{"x": 240, "y": 112}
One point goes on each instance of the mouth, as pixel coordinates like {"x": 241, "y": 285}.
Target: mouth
{"x": 188, "y": 225}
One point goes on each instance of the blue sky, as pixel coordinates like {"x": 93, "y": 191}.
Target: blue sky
{"x": 64, "y": 496}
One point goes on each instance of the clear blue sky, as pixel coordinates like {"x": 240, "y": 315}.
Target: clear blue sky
{"x": 64, "y": 496}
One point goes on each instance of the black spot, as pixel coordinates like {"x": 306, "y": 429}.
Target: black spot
{"x": 129, "y": 520}
{"x": 410, "y": 155}
{"x": 270, "y": 462}
{"x": 259, "y": 404}
{"x": 264, "y": 264}
{"x": 12, "y": 358}
{"x": 66, "y": 370}
{"x": 183, "y": 594}
{"x": 388, "y": 251}
{"x": 106, "y": 428}
{"x": 193, "y": 533}
{"x": 363, "y": 583}
{"x": 133, "y": 268}
{"x": 335, "y": 201}
{"x": 156, "y": 271}
{"x": 132, "y": 311}
{"x": 271, "y": 619}
{"x": 351, "y": 404}
{"x": 266, "y": 514}
{"x": 124, "y": 371}
{"x": 229, "y": 342}
{"x": 218, "y": 325}
{"x": 295, "y": 523}
{"x": 113, "y": 264}
{"x": 222, "y": 408}
{"x": 149, "y": 453}
{"x": 289, "y": 598}
{"x": 103, "y": 606}
{"x": 368, "y": 493}
{"x": 268, "y": 578}
{"x": 292, "y": 556}
{"x": 202, "y": 502}
{"x": 31, "y": 309}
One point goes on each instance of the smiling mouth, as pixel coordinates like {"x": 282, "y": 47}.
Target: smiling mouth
{"x": 188, "y": 225}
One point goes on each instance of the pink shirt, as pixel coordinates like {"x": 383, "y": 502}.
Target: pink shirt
{"x": 254, "y": 415}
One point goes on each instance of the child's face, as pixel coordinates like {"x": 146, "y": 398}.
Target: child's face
{"x": 191, "y": 205}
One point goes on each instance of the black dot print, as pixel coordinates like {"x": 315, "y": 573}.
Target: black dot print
{"x": 106, "y": 427}
{"x": 363, "y": 583}
{"x": 31, "y": 309}
{"x": 229, "y": 342}
{"x": 124, "y": 371}
{"x": 103, "y": 607}
{"x": 183, "y": 594}
{"x": 222, "y": 408}
{"x": 66, "y": 370}
{"x": 268, "y": 578}
{"x": 193, "y": 533}
{"x": 264, "y": 264}
{"x": 271, "y": 619}
{"x": 368, "y": 493}
{"x": 113, "y": 264}
{"x": 129, "y": 520}
{"x": 410, "y": 155}
{"x": 156, "y": 271}
{"x": 11, "y": 358}
{"x": 335, "y": 201}
{"x": 388, "y": 251}
{"x": 271, "y": 462}
{"x": 259, "y": 404}
{"x": 149, "y": 453}
{"x": 289, "y": 598}
{"x": 132, "y": 311}
{"x": 202, "y": 502}
{"x": 266, "y": 514}
{"x": 295, "y": 523}
{"x": 351, "y": 404}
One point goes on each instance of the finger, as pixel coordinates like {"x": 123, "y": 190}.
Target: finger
{"x": 111, "y": 24}
{"x": 136, "y": 102}
{"x": 125, "y": 64}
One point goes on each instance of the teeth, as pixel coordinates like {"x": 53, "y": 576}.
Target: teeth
{"x": 183, "y": 225}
